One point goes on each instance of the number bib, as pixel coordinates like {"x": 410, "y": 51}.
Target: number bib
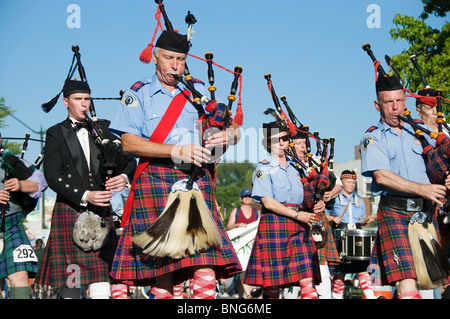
{"x": 24, "y": 253}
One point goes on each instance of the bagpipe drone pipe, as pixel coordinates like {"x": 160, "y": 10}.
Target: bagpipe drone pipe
{"x": 186, "y": 225}
{"x": 316, "y": 175}
{"x": 112, "y": 157}
{"x": 430, "y": 260}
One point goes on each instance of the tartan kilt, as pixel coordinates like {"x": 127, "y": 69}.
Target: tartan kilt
{"x": 391, "y": 252}
{"x": 15, "y": 236}
{"x": 133, "y": 267}
{"x": 436, "y": 161}
{"x": 329, "y": 253}
{"x": 64, "y": 263}
{"x": 280, "y": 255}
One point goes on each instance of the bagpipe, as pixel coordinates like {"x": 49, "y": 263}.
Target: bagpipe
{"x": 430, "y": 260}
{"x": 15, "y": 167}
{"x": 316, "y": 174}
{"x": 90, "y": 231}
{"x": 186, "y": 225}
{"x": 112, "y": 157}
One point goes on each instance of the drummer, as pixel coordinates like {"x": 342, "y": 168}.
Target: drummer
{"x": 343, "y": 215}
{"x": 349, "y": 212}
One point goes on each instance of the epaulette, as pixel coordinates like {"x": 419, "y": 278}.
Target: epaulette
{"x": 371, "y": 129}
{"x": 417, "y": 121}
{"x": 265, "y": 162}
{"x": 137, "y": 86}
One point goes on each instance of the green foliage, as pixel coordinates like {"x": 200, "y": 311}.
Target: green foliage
{"x": 5, "y": 110}
{"x": 432, "y": 49}
{"x": 439, "y": 8}
{"x": 231, "y": 179}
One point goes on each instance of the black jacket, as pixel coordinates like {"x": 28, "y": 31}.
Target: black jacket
{"x": 65, "y": 166}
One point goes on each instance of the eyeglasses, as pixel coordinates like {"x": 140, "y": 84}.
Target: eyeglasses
{"x": 284, "y": 138}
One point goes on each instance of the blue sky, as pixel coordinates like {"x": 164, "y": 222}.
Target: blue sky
{"x": 311, "y": 48}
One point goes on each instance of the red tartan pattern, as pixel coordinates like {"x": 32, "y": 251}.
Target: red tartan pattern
{"x": 152, "y": 189}
{"x": 437, "y": 162}
{"x": 61, "y": 252}
{"x": 392, "y": 251}
{"x": 329, "y": 253}
{"x": 280, "y": 254}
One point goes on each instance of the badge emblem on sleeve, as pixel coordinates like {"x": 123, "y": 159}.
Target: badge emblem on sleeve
{"x": 260, "y": 174}
{"x": 129, "y": 101}
{"x": 366, "y": 142}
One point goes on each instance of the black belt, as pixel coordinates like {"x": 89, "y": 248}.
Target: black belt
{"x": 167, "y": 162}
{"x": 407, "y": 204}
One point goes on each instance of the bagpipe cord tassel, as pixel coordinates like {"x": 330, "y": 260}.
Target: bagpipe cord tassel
{"x": 239, "y": 116}
{"x": 146, "y": 54}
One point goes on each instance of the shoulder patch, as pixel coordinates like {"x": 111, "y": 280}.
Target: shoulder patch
{"x": 366, "y": 142}
{"x": 130, "y": 100}
{"x": 260, "y": 174}
{"x": 136, "y": 86}
{"x": 371, "y": 129}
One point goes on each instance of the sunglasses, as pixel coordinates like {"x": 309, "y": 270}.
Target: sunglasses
{"x": 284, "y": 138}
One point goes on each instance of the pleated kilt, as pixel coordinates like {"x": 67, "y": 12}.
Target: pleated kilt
{"x": 133, "y": 267}
{"x": 329, "y": 253}
{"x": 15, "y": 236}
{"x": 280, "y": 254}
{"x": 65, "y": 264}
{"x": 391, "y": 252}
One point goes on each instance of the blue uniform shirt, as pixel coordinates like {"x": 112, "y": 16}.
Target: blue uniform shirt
{"x": 144, "y": 104}
{"x": 272, "y": 180}
{"x": 383, "y": 148}
{"x": 358, "y": 208}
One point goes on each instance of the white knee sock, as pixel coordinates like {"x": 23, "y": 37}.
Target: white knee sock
{"x": 324, "y": 289}
{"x": 100, "y": 290}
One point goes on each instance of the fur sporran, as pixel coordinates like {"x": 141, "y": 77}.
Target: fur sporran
{"x": 90, "y": 232}
{"x": 319, "y": 234}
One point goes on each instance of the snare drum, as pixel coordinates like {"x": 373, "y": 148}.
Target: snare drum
{"x": 357, "y": 244}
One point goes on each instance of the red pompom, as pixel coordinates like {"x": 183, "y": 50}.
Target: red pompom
{"x": 146, "y": 55}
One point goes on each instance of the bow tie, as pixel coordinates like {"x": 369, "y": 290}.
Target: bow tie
{"x": 79, "y": 125}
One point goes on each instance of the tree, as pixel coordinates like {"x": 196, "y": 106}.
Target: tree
{"x": 4, "y": 112}
{"x": 431, "y": 47}
{"x": 231, "y": 179}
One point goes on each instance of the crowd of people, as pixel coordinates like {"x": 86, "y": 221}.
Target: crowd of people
{"x": 297, "y": 252}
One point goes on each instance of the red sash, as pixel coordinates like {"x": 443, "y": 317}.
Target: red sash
{"x": 159, "y": 135}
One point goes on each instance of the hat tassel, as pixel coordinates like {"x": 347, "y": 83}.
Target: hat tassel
{"x": 47, "y": 107}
